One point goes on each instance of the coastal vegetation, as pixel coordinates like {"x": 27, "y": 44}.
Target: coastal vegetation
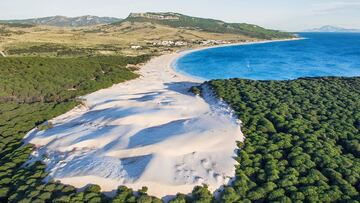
{"x": 40, "y": 79}
{"x": 301, "y": 144}
{"x": 302, "y": 139}
{"x": 209, "y": 25}
{"x": 37, "y": 79}
{"x": 34, "y": 90}
{"x": 302, "y": 136}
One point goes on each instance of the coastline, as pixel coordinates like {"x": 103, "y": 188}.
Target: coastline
{"x": 127, "y": 133}
{"x": 189, "y": 51}
{"x": 242, "y": 43}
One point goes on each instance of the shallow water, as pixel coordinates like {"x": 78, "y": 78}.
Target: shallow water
{"x": 320, "y": 54}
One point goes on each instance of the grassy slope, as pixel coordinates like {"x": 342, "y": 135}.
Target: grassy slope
{"x": 216, "y": 26}
{"x": 117, "y": 39}
{"x": 99, "y": 40}
{"x": 302, "y": 139}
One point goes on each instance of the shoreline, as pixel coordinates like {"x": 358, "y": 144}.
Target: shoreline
{"x": 183, "y": 53}
{"x": 127, "y": 133}
{"x": 243, "y": 43}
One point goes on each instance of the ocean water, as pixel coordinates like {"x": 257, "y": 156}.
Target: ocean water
{"x": 319, "y": 54}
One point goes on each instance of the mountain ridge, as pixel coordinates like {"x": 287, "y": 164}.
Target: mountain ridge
{"x": 205, "y": 24}
{"x": 330, "y": 28}
{"x": 64, "y": 21}
{"x": 170, "y": 19}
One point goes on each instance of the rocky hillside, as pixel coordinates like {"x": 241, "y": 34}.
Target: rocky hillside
{"x": 208, "y": 25}
{"x": 63, "y": 21}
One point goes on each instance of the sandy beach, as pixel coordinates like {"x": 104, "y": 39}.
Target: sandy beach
{"x": 145, "y": 132}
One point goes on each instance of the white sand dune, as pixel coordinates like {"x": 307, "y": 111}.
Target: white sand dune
{"x": 146, "y": 132}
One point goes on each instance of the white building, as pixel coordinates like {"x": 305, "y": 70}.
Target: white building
{"x": 136, "y": 47}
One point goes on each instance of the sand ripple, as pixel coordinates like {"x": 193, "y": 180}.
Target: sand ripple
{"x": 149, "y": 131}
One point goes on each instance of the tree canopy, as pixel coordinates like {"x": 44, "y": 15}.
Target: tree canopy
{"x": 302, "y": 139}
{"x": 302, "y": 136}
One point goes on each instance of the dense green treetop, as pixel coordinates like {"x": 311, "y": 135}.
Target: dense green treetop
{"x": 302, "y": 136}
{"x": 34, "y": 90}
{"x": 37, "y": 79}
{"x": 302, "y": 139}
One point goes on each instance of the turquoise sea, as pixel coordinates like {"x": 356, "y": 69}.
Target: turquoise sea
{"x": 319, "y": 54}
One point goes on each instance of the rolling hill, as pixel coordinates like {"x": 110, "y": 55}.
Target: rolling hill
{"x": 63, "y": 21}
{"x": 208, "y": 25}
{"x": 141, "y": 33}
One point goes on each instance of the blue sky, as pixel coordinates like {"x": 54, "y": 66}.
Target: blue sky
{"x": 290, "y": 15}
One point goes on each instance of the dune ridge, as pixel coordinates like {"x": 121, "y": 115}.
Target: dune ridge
{"x": 146, "y": 132}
